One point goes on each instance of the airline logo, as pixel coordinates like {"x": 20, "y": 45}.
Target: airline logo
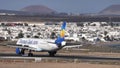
{"x": 62, "y": 32}
{"x": 28, "y": 42}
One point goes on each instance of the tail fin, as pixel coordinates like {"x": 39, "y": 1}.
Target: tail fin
{"x": 60, "y": 38}
{"x": 62, "y": 32}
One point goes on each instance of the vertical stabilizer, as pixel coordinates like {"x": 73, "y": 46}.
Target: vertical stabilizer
{"x": 60, "y": 38}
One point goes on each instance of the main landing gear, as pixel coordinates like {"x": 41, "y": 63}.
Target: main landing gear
{"x": 52, "y": 53}
{"x": 30, "y": 53}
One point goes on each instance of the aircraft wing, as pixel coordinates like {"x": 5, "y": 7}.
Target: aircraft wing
{"x": 72, "y": 44}
{"x": 24, "y": 47}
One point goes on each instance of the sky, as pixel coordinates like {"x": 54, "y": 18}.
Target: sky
{"x": 68, "y": 6}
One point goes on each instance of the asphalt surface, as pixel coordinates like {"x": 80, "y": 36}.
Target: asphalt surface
{"x": 2, "y": 55}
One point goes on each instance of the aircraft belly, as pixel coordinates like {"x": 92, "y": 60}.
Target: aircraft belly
{"x": 48, "y": 47}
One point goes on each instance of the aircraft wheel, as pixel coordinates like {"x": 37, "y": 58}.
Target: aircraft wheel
{"x": 30, "y": 54}
{"x": 52, "y": 53}
{"x": 22, "y": 51}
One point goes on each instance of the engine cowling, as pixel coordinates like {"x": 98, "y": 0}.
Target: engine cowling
{"x": 17, "y": 51}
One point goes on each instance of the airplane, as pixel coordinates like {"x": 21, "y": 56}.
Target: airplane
{"x": 42, "y": 45}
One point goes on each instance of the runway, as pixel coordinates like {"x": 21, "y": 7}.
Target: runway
{"x": 69, "y": 57}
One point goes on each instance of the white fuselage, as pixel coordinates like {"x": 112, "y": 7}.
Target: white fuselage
{"x": 38, "y": 44}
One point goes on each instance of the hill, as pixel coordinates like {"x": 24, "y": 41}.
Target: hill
{"x": 40, "y": 9}
{"x": 111, "y": 10}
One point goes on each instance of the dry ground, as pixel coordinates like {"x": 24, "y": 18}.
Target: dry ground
{"x": 54, "y": 65}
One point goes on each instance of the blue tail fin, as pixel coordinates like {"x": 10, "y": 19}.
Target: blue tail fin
{"x": 62, "y": 34}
